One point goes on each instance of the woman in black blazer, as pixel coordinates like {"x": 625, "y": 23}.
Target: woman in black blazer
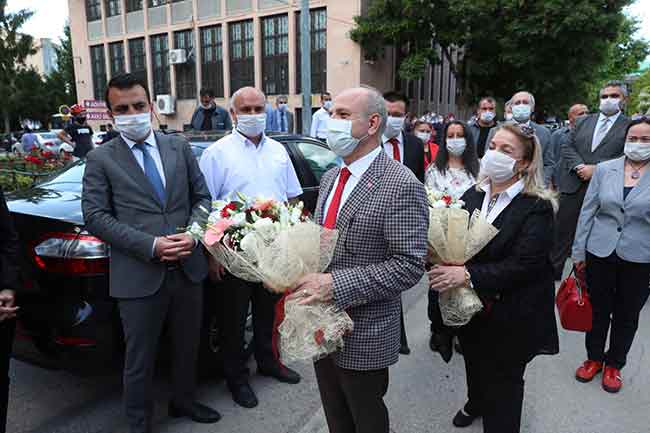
{"x": 512, "y": 275}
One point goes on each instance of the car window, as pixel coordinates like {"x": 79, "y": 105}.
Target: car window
{"x": 48, "y": 135}
{"x": 319, "y": 158}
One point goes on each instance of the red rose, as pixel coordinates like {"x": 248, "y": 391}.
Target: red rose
{"x": 447, "y": 199}
{"x": 225, "y": 211}
{"x": 319, "y": 337}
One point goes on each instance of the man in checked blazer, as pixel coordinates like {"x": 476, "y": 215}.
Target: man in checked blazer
{"x": 595, "y": 138}
{"x": 380, "y": 210}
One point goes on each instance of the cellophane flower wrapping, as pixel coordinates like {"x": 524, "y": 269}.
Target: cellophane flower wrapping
{"x": 454, "y": 238}
{"x": 277, "y": 244}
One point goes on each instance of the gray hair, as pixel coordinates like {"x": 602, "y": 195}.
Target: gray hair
{"x": 375, "y": 103}
{"x": 616, "y": 83}
{"x": 531, "y": 98}
{"x": 239, "y": 92}
{"x": 285, "y": 97}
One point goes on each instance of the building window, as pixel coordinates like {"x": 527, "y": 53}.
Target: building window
{"x": 185, "y": 72}
{"x": 275, "y": 54}
{"x": 116, "y": 58}
{"x": 318, "y": 26}
{"x": 155, "y": 3}
{"x": 138, "y": 58}
{"x": 212, "y": 59}
{"x": 242, "y": 63}
{"x": 93, "y": 10}
{"x": 160, "y": 64}
{"x": 98, "y": 64}
{"x": 113, "y": 7}
{"x": 133, "y": 5}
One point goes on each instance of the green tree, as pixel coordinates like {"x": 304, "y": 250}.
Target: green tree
{"x": 65, "y": 62}
{"x": 14, "y": 49}
{"x": 552, "y": 48}
{"x": 640, "y": 97}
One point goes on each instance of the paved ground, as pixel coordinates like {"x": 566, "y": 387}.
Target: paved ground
{"x": 424, "y": 394}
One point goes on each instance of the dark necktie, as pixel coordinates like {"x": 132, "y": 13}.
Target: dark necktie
{"x": 396, "y": 154}
{"x": 333, "y": 211}
{"x": 492, "y": 203}
{"x": 283, "y": 122}
{"x": 151, "y": 171}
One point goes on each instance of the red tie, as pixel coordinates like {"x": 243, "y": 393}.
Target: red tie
{"x": 395, "y": 142}
{"x": 333, "y": 211}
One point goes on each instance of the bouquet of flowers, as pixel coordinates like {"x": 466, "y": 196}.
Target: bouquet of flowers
{"x": 261, "y": 240}
{"x": 454, "y": 238}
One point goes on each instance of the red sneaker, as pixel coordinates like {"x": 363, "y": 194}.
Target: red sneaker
{"x": 588, "y": 370}
{"x": 612, "y": 380}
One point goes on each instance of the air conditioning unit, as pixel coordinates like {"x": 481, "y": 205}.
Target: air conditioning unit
{"x": 166, "y": 104}
{"x": 177, "y": 57}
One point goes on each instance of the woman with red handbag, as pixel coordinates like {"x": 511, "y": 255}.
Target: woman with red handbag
{"x": 612, "y": 243}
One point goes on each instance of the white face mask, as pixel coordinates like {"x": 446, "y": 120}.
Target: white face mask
{"x": 339, "y": 137}
{"x": 456, "y": 146}
{"x": 610, "y": 106}
{"x": 508, "y": 117}
{"x": 488, "y": 116}
{"x": 424, "y": 136}
{"x": 135, "y": 127}
{"x": 498, "y": 166}
{"x": 251, "y": 125}
{"x": 394, "y": 126}
{"x": 637, "y": 151}
{"x": 521, "y": 113}
{"x": 327, "y": 105}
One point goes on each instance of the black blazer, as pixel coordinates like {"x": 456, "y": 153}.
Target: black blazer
{"x": 514, "y": 273}
{"x": 414, "y": 155}
{"x": 9, "y": 249}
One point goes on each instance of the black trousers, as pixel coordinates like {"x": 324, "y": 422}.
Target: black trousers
{"x": 7, "y": 329}
{"x": 353, "y": 400}
{"x": 237, "y": 294}
{"x": 618, "y": 291}
{"x": 565, "y": 228}
{"x": 495, "y": 377}
{"x": 180, "y": 302}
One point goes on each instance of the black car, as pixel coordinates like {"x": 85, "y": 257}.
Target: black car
{"x": 67, "y": 318}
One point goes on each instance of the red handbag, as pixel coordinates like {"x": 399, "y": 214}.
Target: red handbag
{"x": 573, "y": 304}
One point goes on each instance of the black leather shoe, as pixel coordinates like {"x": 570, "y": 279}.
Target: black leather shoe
{"x": 281, "y": 373}
{"x": 404, "y": 350}
{"x": 196, "y": 412}
{"x": 463, "y": 419}
{"x": 441, "y": 343}
{"x": 243, "y": 395}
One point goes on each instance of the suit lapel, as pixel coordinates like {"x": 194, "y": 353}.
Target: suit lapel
{"x": 363, "y": 190}
{"x": 133, "y": 169}
{"x": 168, "y": 155}
{"x": 620, "y": 123}
{"x": 589, "y": 131}
{"x": 326, "y": 186}
{"x": 618, "y": 180}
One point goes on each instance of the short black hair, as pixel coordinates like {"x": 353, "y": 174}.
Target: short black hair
{"x": 394, "y": 96}
{"x": 124, "y": 82}
{"x": 322, "y": 95}
{"x": 206, "y": 92}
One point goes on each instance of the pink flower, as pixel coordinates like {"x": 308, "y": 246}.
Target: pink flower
{"x": 215, "y": 232}
{"x": 263, "y": 205}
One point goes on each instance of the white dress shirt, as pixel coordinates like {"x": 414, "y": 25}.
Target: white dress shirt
{"x": 235, "y": 164}
{"x": 357, "y": 169}
{"x": 319, "y": 124}
{"x": 505, "y": 198}
{"x": 601, "y": 119}
{"x": 152, "y": 147}
{"x": 388, "y": 147}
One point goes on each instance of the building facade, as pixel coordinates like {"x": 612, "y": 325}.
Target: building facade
{"x": 181, "y": 46}
{"x": 44, "y": 59}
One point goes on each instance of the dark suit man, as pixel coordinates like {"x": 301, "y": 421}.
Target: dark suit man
{"x": 9, "y": 284}
{"x": 282, "y": 118}
{"x": 139, "y": 190}
{"x": 380, "y": 211}
{"x": 560, "y": 138}
{"x": 406, "y": 149}
{"x": 595, "y": 138}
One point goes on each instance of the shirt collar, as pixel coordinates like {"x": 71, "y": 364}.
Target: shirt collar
{"x": 613, "y": 117}
{"x": 361, "y": 165}
{"x": 150, "y": 140}
{"x": 399, "y": 137}
{"x": 511, "y": 192}
{"x": 241, "y": 138}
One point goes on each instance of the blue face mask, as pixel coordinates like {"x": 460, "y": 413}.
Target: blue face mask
{"x": 521, "y": 113}
{"x": 339, "y": 137}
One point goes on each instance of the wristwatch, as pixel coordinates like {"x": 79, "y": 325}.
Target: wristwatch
{"x": 468, "y": 279}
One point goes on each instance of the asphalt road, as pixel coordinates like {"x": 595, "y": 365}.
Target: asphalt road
{"x": 423, "y": 397}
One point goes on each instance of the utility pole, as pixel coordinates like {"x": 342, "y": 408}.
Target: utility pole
{"x": 305, "y": 65}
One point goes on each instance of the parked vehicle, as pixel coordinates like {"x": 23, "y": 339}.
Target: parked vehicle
{"x": 47, "y": 140}
{"x": 67, "y": 318}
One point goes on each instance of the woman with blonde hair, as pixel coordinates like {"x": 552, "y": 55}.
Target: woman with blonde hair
{"x": 512, "y": 275}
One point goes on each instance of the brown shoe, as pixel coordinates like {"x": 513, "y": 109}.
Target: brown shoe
{"x": 588, "y": 370}
{"x": 612, "y": 380}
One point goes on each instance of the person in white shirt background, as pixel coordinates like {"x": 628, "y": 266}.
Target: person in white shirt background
{"x": 319, "y": 118}
{"x": 248, "y": 162}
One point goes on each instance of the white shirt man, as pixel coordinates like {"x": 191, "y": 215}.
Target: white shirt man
{"x": 319, "y": 124}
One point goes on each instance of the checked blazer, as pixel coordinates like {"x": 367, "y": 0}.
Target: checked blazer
{"x": 379, "y": 254}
